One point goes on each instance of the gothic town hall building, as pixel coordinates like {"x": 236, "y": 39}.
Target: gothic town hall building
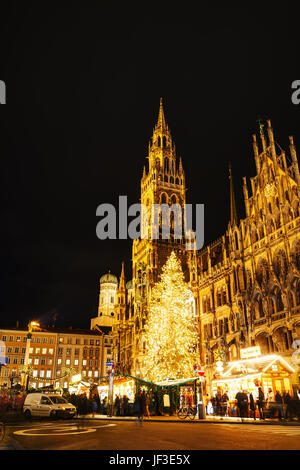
{"x": 245, "y": 286}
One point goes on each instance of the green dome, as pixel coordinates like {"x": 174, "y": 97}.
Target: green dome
{"x": 129, "y": 285}
{"x": 109, "y": 278}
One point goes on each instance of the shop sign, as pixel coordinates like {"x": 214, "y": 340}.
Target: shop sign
{"x": 247, "y": 353}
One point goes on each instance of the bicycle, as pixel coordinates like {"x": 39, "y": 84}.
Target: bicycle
{"x": 187, "y": 411}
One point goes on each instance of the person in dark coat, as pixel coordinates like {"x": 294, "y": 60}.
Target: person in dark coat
{"x": 136, "y": 409}
{"x": 252, "y": 405}
{"x": 125, "y": 404}
{"x": 261, "y": 403}
{"x": 117, "y": 405}
{"x": 288, "y": 401}
{"x": 279, "y": 405}
{"x": 239, "y": 398}
{"x": 224, "y": 402}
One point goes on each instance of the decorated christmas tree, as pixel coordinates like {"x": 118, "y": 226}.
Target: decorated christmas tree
{"x": 171, "y": 332}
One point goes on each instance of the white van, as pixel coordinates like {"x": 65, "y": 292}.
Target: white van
{"x": 41, "y": 404}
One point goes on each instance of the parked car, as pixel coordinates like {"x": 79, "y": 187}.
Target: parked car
{"x": 53, "y": 406}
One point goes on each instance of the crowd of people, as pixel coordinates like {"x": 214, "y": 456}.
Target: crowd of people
{"x": 246, "y": 405}
{"x": 11, "y": 402}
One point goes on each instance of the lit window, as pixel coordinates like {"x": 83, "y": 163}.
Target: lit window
{"x": 48, "y": 374}
{"x": 36, "y": 361}
{"x": 76, "y": 362}
{"x": 68, "y": 362}
{"x": 50, "y": 351}
{"x": 44, "y": 351}
{"x": 42, "y": 373}
{"x": 35, "y": 373}
{"x": 37, "y": 350}
{"x": 59, "y": 361}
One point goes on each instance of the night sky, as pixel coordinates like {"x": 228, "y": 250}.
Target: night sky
{"x": 83, "y": 90}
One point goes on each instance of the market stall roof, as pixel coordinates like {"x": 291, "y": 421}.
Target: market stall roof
{"x": 255, "y": 365}
{"x": 173, "y": 383}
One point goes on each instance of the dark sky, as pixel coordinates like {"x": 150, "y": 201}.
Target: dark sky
{"x": 83, "y": 90}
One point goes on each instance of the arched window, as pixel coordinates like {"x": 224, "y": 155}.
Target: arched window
{"x": 236, "y": 241}
{"x": 224, "y": 296}
{"x": 219, "y": 298}
{"x": 158, "y": 141}
{"x": 163, "y": 199}
{"x": 164, "y": 141}
{"x": 166, "y": 164}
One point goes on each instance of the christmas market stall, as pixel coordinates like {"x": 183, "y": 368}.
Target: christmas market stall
{"x": 123, "y": 385}
{"x": 268, "y": 372}
{"x": 78, "y": 386}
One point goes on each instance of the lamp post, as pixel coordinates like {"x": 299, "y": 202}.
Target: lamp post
{"x": 25, "y": 376}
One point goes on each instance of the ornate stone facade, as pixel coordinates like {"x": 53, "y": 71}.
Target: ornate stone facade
{"x": 249, "y": 280}
{"x": 246, "y": 284}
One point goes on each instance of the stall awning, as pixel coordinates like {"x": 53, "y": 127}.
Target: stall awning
{"x": 255, "y": 365}
{"x": 174, "y": 383}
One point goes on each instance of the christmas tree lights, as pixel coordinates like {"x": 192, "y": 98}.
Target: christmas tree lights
{"x": 171, "y": 331}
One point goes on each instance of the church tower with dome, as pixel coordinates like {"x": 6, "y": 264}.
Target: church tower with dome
{"x": 107, "y": 300}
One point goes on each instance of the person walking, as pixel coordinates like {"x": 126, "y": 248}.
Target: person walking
{"x": 252, "y": 406}
{"x": 224, "y": 404}
{"x": 136, "y": 409}
{"x": 125, "y": 403}
{"x": 117, "y": 405}
{"x": 279, "y": 405}
{"x": 239, "y": 403}
{"x": 143, "y": 403}
{"x": 288, "y": 401}
{"x": 261, "y": 403}
{"x": 94, "y": 407}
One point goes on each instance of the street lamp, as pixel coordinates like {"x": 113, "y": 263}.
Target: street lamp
{"x": 25, "y": 375}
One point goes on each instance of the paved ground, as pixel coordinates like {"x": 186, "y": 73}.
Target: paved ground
{"x": 126, "y": 435}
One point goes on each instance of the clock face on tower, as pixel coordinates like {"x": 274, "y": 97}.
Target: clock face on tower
{"x": 269, "y": 190}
